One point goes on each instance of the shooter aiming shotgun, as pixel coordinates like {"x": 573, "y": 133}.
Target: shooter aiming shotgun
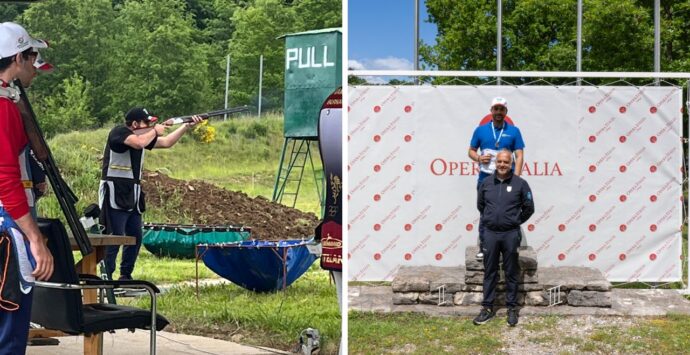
{"x": 121, "y": 199}
{"x": 188, "y": 118}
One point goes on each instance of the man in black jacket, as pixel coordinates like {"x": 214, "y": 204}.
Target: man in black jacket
{"x": 505, "y": 202}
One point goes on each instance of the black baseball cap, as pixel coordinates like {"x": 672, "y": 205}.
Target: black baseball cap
{"x": 139, "y": 114}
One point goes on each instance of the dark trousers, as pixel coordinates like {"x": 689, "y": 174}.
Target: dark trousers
{"x": 482, "y": 176}
{"x": 14, "y": 327}
{"x": 496, "y": 244}
{"x": 123, "y": 223}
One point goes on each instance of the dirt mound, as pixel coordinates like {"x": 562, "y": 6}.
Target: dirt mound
{"x": 205, "y": 203}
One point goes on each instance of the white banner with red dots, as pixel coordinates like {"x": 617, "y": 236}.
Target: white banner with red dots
{"x": 604, "y": 165}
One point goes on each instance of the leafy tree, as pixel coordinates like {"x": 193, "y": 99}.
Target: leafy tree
{"x": 158, "y": 61}
{"x": 10, "y": 12}
{"x": 68, "y": 109}
{"x": 541, "y": 35}
{"x": 80, "y": 33}
{"x": 257, "y": 29}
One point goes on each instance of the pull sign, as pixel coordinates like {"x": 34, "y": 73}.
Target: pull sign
{"x": 306, "y": 58}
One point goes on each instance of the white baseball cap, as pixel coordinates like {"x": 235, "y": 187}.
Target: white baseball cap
{"x": 499, "y": 101}
{"x": 14, "y": 39}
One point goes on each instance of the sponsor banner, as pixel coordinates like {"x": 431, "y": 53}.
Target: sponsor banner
{"x": 604, "y": 165}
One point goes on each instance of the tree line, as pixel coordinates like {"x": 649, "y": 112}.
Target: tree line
{"x": 541, "y": 35}
{"x": 166, "y": 55}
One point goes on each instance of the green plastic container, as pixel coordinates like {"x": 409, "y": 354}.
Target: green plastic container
{"x": 179, "y": 240}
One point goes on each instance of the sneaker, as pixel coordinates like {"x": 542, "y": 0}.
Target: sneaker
{"x": 125, "y": 278}
{"x": 484, "y": 316}
{"x": 479, "y": 256}
{"x": 512, "y": 317}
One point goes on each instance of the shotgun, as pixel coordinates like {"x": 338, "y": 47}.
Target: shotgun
{"x": 65, "y": 196}
{"x": 206, "y": 115}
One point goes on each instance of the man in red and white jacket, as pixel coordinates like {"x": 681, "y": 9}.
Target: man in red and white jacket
{"x": 24, "y": 252}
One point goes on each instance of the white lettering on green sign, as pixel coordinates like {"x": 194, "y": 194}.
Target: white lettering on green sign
{"x": 306, "y": 58}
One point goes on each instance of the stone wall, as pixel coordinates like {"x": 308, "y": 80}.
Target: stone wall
{"x": 463, "y": 286}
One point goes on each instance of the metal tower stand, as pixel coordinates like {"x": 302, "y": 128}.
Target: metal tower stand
{"x": 298, "y": 152}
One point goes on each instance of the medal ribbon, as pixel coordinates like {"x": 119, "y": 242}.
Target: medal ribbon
{"x": 500, "y": 134}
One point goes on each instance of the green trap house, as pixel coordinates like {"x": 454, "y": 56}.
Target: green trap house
{"x": 313, "y": 70}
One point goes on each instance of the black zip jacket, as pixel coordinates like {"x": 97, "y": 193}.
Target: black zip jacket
{"x": 504, "y": 206}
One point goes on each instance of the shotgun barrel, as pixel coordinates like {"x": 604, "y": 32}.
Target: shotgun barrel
{"x": 65, "y": 196}
{"x": 206, "y": 115}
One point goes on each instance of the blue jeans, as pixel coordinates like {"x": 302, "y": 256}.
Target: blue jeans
{"x": 124, "y": 223}
{"x": 14, "y": 325}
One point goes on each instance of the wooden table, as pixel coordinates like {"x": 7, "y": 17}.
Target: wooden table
{"x": 93, "y": 344}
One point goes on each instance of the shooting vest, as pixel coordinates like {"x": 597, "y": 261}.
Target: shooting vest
{"x": 11, "y": 93}
{"x": 121, "y": 176}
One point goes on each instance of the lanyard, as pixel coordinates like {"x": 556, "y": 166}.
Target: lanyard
{"x": 500, "y": 134}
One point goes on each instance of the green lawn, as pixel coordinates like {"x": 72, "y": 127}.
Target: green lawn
{"x": 413, "y": 333}
{"x": 275, "y": 320}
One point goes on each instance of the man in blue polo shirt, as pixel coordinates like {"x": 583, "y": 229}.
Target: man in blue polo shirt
{"x": 491, "y": 138}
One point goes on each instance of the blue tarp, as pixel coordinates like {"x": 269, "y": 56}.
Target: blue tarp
{"x": 260, "y": 266}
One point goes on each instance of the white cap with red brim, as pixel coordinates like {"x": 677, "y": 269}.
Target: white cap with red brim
{"x": 14, "y": 39}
